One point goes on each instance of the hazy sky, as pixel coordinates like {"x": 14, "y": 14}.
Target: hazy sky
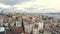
{"x": 33, "y": 6}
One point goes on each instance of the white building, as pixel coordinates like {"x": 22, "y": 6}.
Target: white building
{"x": 18, "y": 23}
{"x": 41, "y": 25}
{"x": 35, "y": 29}
{"x": 1, "y": 22}
{"x": 45, "y": 32}
{"x": 28, "y": 27}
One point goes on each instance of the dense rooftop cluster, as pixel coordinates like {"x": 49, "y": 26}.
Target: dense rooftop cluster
{"x": 27, "y": 22}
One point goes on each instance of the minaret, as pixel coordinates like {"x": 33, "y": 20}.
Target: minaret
{"x": 23, "y": 25}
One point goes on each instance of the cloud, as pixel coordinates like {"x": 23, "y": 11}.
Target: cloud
{"x": 37, "y": 6}
{"x": 11, "y": 10}
{"x": 41, "y": 9}
{"x": 13, "y": 2}
{"x": 55, "y": 4}
{"x": 4, "y": 6}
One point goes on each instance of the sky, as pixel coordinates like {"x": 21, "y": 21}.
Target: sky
{"x": 30, "y": 6}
